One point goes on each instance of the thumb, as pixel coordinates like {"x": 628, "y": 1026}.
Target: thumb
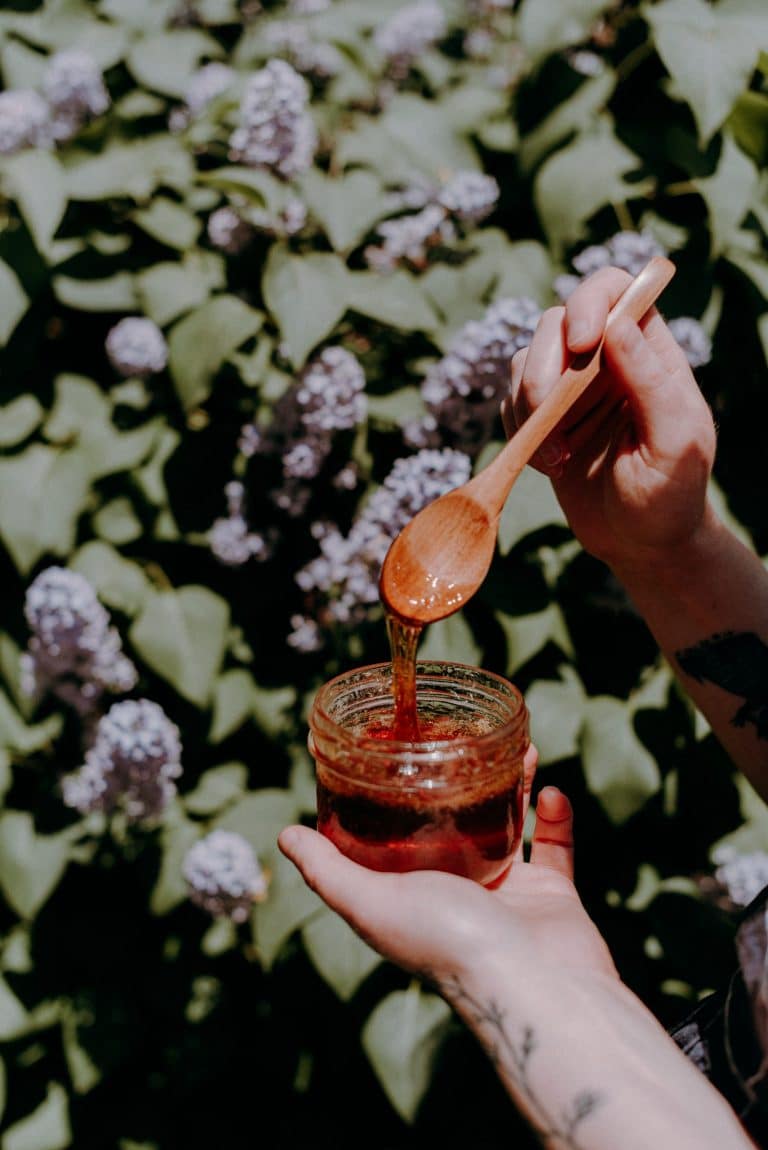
{"x": 552, "y": 844}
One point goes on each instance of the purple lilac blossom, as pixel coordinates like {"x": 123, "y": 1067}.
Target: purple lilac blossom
{"x": 408, "y": 33}
{"x": 223, "y": 875}
{"x": 463, "y": 390}
{"x": 276, "y": 131}
{"x": 136, "y": 346}
{"x": 230, "y": 538}
{"x": 74, "y": 651}
{"x": 205, "y": 85}
{"x": 74, "y": 88}
{"x": 131, "y": 764}
{"x": 25, "y": 121}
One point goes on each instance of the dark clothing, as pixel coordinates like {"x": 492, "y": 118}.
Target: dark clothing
{"x": 727, "y": 1033}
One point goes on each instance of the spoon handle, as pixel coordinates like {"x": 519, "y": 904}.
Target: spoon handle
{"x": 493, "y": 484}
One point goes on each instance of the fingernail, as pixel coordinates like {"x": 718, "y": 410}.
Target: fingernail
{"x": 578, "y": 331}
{"x": 550, "y": 453}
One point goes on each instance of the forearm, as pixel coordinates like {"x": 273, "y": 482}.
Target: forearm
{"x": 707, "y": 606}
{"x": 589, "y": 1066}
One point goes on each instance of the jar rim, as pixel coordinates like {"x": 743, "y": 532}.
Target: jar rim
{"x": 499, "y": 688}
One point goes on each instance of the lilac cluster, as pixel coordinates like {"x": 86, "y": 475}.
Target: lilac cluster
{"x": 205, "y": 85}
{"x": 74, "y": 651}
{"x": 483, "y": 31}
{"x": 407, "y": 34}
{"x": 345, "y": 575}
{"x": 223, "y": 875}
{"x": 295, "y": 43}
{"x": 463, "y": 390}
{"x": 74, "y": 88}
{"x": 136, "y": 346}
{"x": 230, "y": 538}
{"x": 24, "y": 121}
{"x": 631, "y": 251}
{"x": 131, "y": 764}
{"x": 466, "y": 198}
{"x": 327, "y": 397}
{"x": 73, "y": 94}
{"x": 276, "y": 130}
{"x": 232, "y": 228}
{"x": 741, "y": 875}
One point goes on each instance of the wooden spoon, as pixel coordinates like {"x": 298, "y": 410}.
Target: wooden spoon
{"x": 441, "y": 557}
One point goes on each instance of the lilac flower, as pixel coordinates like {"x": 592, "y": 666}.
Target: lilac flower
{"x": 276, "y": 130}
{"x": 224, "y": 876}
{"x": 74, "y": 88}
{"x": 463, "y": 390}
{"x": 346, "y": 572}
{"x": 327, "y": 397}
{"x": 230, "y": 538}
{"x": 205, "y": 85}
{"x": 628, "y": 250}
{"x": 136, "y": 347}
{"x": 228, "y": 231}
{"x": 693, "y": 340}
{"x": 131, "y": 764}
{"x": 295, "y": 43}
{"x": 742, "y": 875}
{"x": 469, "y": 196}
{"x": 408, "y": 239}
{"x": 25, "y": 121}
{"x": 409, "y": 33}
{"x": 74, "y": 651}
{"x": 288, "y": 221}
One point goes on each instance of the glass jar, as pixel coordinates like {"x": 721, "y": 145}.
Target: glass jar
{"x": 452, "y": 801}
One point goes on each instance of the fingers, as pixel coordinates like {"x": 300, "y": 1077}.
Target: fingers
{"x": 552, "y": 844}
{"x": 587, "y": 307}
{"x": 340, "y": 882}
{"x": 534, "y": 372}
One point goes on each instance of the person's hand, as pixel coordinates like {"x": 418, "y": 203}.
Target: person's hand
{"x": 630, "y": 462}
{"x": 440, "y": 926}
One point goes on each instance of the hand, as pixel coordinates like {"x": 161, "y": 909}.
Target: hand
{"x": 630, "y": 463}
{"x": 440, "y": 925}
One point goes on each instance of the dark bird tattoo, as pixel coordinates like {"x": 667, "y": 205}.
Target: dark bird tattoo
{"x": 737, "y": 661}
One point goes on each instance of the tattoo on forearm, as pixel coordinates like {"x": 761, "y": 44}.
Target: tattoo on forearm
{"x": 737, "y": 661}
{"x": 511, "y": 1058}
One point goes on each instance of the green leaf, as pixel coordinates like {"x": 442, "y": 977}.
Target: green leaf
{"x": 272, "y": 708}
{"x": 339, "y": 955}
{"x": 346, "y": 206}
{"x": 168, "y": 290}
{"x": 73, "y": 24}
{"x": 164, "y": 63}
{"x": 450, "y": 639}
{"x": 710, "y": 52}
{"x": 3, "y": 1088}
{"x": 576, "y": 114}
{"x": 259, "y": 817}
{"x": 217, "y": 788}
{"x": 528, "y": 634}
{"x": 21, "y": 66}
{"x": 307, "y": 296}
{"x": 42, "y": 492}
{"x": 525, "y": 269}
{"x": 232, "y": 703}
{"x": 31, "y": 865}
{"x": 81, "y": 418}
{"x": 13, "y": 302}
{"x": 130, "y": 170}
{"x": 619, "y": 770}
{"x": 36, "y": 181}
{"x": 117, "y": 521}
{"x": 556, "y": 711}
{"x": 13, "y": 1016}
{"x": 83, "y": 1071}
{"x": 290, "y": 904}
{"x": 46, "y": 1128}
{"x": 749, "y": 123}
{"x": 396, "y": 299}
{"x": 548, "y": 26}
{"x": 114, "y": 293}
{"x": 22, "y": 737}
{"x": 18, "y": 419}
{"x": 396, "y": 407}
{"x": 179, "y": 834}
{"x": 728, "y": 194}
{"x": 120, "y": 583}
{"x": 402, "y": 1038}
{"x": 182, "y": 636}
{"x": 425, "y": 134}
{"x": 169, "y": 223}
{"x": 534, "y": 506}
{"x": 573, "y": 183}
{"x": 200, "y": 343}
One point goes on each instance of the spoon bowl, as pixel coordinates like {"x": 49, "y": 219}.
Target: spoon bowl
{"x": 440, "y": 559}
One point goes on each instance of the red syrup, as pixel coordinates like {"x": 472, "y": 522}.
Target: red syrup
{"x": 470, "y": 827}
